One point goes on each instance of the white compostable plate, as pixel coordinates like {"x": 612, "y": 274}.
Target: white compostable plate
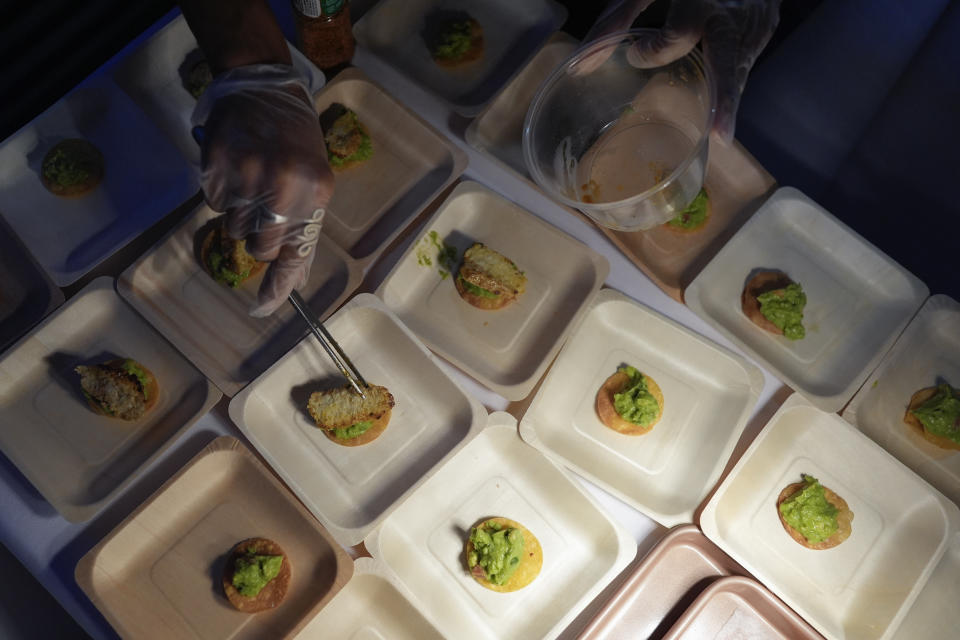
{"x": 144, "y": 179}
{"x": 498, "y": 131}
{"x": 153, "y": 76}
{"x": 77, "y": 459}
{"x": 411, "y": 163}
{"x": 512, "y": 34}
{"x": 507, "y": 349}
{"x": 926, "y": 354}
{"x": 26, "y": 293}
{"x": 858, "y": 299}
{"x": 496, "y": 474}
{"x": 372, "y": 606}
{"x": 934, "y": 614}
{"x": 709, "y": 393}
{"x": 863, "y": 587}
{"x": 352, "y": 489}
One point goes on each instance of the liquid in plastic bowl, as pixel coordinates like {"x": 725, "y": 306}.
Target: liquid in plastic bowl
{"x": 625, "y": 145}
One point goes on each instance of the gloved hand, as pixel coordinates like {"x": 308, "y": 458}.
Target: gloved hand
{"x": 264, "y": 162}
{"x": 734, "y": 32}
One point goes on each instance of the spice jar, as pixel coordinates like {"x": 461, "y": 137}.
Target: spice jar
{"x": 324, "y": 32}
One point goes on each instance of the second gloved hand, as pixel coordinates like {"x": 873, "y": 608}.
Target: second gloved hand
{"x": 734, "y": 32}
{"x": 264, "y": 163}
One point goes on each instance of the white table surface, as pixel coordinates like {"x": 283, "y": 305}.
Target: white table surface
{"x": 50, "y": 547}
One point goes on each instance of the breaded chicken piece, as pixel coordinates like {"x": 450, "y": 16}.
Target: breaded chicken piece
{"x": 347, "y": 140}
{"x": 117, "y": 392}
{"x": 487, "y": 279}
{"x": 348, "y": 419}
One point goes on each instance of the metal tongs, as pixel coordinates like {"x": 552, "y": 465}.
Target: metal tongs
{"x": 329, "y": 345}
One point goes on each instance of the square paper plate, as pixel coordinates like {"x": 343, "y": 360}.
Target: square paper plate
{"x": 926, "y": 354}
{"x": 411, "y": 163}
{"x": 26, "y": 293}
{"x": 157, "y": 574}
{"x": 858, "y": 299}
{"x": 934, "y": 614}
{"x": 656, "y": 594}
{"x": 498, "y": 475}
{"x": 738, "y": 608}
{"x": 708, "y": 394}
{"x": 498, "y": 130}
{"x": 509, "y": 349}
{"x": 209, "y": 322}
{"x": 79, "y": 460}
{"x": 735, "y": 180}
{"x": 144, "y": 179}
{"x": 512, "y": 33}
{"x": 864, "y": 586}
{"x": 372, "y": 606}
{"x": 351, "y": 489}
{"x": 153, "y": 76}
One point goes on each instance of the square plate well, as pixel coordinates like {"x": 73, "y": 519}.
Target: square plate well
{"x": 901, "y": 526}
{"x": 858, "y": 299}
{"x": 372, "y": 606}
{"x": 508, "y": 349}
{"x": 411, "y": 163}
{"x": 497, "y": 474}
{"x": 351, "y": 489}
{"x": 926, "y": 354}
{"x": 157, "y": 574}
{"x": 708, "y": 392}
{"x": 144, "y": 179}
{"x": 77, "y": 459}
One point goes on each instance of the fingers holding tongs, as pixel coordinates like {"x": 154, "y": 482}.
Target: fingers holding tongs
{"x": 329, "y": 345}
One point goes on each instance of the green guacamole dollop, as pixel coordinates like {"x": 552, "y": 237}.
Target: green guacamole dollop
{"x": 454, "y": 41}
{"x": 497, "y": 550}
{"x": 477, "y": 291}
{"x": 252, "y": 572}
{"x": 131, "y": 367}
{"x": 784, "y": 308}
{"x": 446, "y": 253}
{"x": 67, "y": 169}
{"x": 354, "y": 430}
{"x": 808, "y": 512}
{"x": 694, "y": 215}
{"x": 940, "y": 414}
{"x": 221, "y": 274}
{"x": 635, "y": 403}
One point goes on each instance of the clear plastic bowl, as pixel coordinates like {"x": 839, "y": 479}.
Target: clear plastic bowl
{"x": 625, "y": 145}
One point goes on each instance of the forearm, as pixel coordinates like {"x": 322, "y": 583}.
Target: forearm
{"x": 233, "y": 33}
